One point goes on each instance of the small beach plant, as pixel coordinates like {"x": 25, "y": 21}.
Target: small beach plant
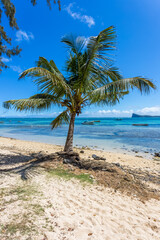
{"x": 90, "y": 79}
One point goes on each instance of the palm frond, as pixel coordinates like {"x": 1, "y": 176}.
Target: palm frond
{"x": 111, "y": 73}
{"x": 75, "y": 44}
{"x": 95, "y": 59}
{"x": 74, "y": 62}
{"x": 49, "y": 65}
{"x": 63, "y": 117}
{"x": 43, "y": 96}
{"x": 102, "y": 43}
{"x": 43, "y": 63}
{"x": 100, "y": 76}
{"x": 42, "y": 75}
{"x": 106, "y": 98}
{"x": 48, "y": 78}
{"x": 144, "y": 85}
{"x": 34, "y": 103}
{"x": 120, "y": 88}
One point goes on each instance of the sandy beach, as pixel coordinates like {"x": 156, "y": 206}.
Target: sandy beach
{"x": 46, "y": 206}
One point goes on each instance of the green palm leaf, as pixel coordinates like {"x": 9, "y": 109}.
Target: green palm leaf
{"x": 105, "y": 41}
{"x": 36, "y": 102}
{"x": 48, "y": 78}
{"x": 94, "y": 60}
{"x": 106, "y": 98}
{"x": 75, "y": 44}
{"x": 64, "y": 117}
{"x": 142, "y": 84}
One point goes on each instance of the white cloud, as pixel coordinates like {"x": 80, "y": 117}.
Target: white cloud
{"x": 115, "y": 112}
{"x": 76, "y": 15}
{"x": 127, "y": 111}
{"x": 16, "y": 69}
{"x": 150, "y": 110}
{"x": 22, "y": 35}
{"x": 104, "y": 111}
{"x": 3, "y": 59}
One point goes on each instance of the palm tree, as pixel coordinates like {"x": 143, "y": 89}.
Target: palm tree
{"x": 91, "y": 79}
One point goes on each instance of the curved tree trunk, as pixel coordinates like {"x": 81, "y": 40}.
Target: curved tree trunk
{"x": 69, "y": 141}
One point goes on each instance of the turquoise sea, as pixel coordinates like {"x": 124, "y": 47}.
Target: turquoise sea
{"x": 109, "y": 134}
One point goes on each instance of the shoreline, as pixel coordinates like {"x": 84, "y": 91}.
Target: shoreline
{"x": 121, "y": 150}
{"x": 128, "y": 160}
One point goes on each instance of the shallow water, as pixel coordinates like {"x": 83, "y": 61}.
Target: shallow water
{"x": 109, "y": 134}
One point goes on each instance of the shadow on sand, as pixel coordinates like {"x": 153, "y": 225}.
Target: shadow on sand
{"x": 24, "y": 165}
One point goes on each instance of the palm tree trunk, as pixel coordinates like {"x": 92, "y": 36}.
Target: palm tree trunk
{"x": 69, "y": 141}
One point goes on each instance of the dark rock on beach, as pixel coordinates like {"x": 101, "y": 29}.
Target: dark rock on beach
{"x": 65, "y": 160}
{"x": 156, "y": 154}
{"x": 117, "y": 164}
{"x": 95, "y": 157}
{"x": 81, "y": 151}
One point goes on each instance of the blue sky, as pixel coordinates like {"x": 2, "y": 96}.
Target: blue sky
{"x": 137, "y": 24}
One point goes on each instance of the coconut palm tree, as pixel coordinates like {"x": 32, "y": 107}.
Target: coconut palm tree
{"x": 91, "y": 79}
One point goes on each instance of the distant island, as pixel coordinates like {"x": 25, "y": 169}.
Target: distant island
{"x": 137, "y": 115}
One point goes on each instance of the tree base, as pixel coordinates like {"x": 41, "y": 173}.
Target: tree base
{"x": 74, "y": 159}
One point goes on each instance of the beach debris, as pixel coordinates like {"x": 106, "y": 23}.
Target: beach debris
{"x": 91, "y": 176}
{"x": 95, "y": 157}
{"x": 42, "y": 156}
{"x": 135, "y": 151}
{"x": 70, "y": 157}
{"x": 70, "y": 229}
{"x": 81, "y": 151}
{"x": 90, "y": 234}
{"x": 86, "y": 148}
{"x": 65, "y": 160}
{"x": 117, "y": 164}
{"x": 111, "y": 175}
{"x": 156, "y": 154}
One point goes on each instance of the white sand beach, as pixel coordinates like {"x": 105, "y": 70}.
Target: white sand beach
{"x": 48, "y": 207}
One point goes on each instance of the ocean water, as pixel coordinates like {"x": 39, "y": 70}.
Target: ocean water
{"x": 109, "y": 134}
